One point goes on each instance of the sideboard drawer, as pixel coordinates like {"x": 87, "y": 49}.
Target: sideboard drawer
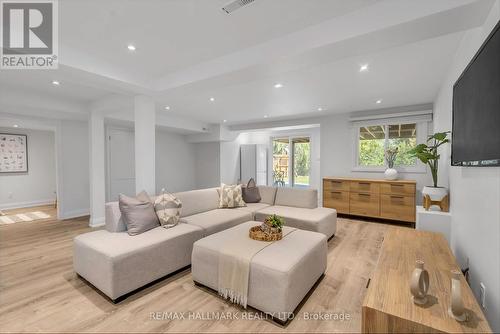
{"x": 338, "y": 200}
{"x": 397, "y": 207}
{"x": 364, "y": 204}
{"x": 364, "y": 186}
{"x": 335, "y": 185}
{"x": 397, "y": 189}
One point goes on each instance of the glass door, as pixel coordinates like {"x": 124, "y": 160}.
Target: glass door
{"x": 281, "y": 159}
{"x": 301, "y": 167}
{"x": 291, "y": 161}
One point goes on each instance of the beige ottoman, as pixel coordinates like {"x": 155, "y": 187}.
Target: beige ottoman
{"x": 281, "y": 274}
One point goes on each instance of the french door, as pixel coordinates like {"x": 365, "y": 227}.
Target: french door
{"x": 291, "y": 161}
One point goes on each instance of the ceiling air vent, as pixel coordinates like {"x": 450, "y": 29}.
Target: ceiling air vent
{"x": 237, "y": 4}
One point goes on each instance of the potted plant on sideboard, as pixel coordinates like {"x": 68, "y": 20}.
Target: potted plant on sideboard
{"x": 428, "y": 154}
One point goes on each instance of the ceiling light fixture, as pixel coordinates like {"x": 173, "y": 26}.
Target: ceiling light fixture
{"x": 278, "y": 85}
{"x": 363, "y": 68}
{"x": 265, "y": 116}
{"x": 167, "y": 108}
{"x": 378, "y": 102}
{"x": 224, "y": 121}
{"x": 212, "y": 99}
{"x": 56, "y": 83}
{"x": 131, "y": 47}
{"x": 15, "y": 126}
{"x": 320, "y": 109}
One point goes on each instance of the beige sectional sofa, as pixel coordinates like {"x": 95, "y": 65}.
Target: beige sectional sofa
{"x": 117, "y": 263}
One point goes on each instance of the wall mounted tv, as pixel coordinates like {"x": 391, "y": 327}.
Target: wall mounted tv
{"x": 476, "y": 108}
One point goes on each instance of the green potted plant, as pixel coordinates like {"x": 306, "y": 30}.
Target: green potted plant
{"x": 390, "y": 157}
{"x": 428, "y": 154}
{"x": 273, "y": 224}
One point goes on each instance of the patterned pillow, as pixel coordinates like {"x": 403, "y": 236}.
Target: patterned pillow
{"x": 168, "y": 209}
{"x": 231, "y": 196}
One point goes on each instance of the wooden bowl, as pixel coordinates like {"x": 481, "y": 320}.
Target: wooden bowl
{"x": 257, "y": 234}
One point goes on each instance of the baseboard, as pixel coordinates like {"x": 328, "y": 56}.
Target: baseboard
{"x": 27, "y": 204}
{"x": 74, "y": 214}
{"x": 97, "y": 222}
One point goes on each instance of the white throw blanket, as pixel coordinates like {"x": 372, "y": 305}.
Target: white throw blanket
{"x": 234, "y": 265}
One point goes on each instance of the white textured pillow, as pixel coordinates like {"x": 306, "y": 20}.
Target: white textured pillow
{"x": 168, "y": 209}
{"x": 231, "y": 196}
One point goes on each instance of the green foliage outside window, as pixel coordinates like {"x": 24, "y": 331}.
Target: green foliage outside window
{"x": 373, "y": 142}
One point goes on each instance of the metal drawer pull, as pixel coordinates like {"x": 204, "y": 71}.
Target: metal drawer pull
{"x": 399, "y": 197}
{"x": 336, "y": 181}
{"x": 364, "y": 194}
{"x": 364, "y": 183}
{"x": 336, "y": 192}
{"x": 397, "y": 185}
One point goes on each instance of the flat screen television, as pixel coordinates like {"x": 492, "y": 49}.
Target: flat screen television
{"x": 476, "y": 108}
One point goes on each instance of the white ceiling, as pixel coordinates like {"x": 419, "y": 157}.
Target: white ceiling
{"x": 189, "y": 50}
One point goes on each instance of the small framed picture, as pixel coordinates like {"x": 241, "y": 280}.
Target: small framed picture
{"x": 13, "y": 153}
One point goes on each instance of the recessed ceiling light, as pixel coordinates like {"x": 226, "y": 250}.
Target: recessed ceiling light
{"x": 378, "y": 102}
{"x": 278, "y": 85}
{"x": 167, "y": 107}
{"x": 131, "y": 47}
{"x": 363, "y": 68}
{"x": 212, "y": 99}
{"x": 224, "y": 121}
{"x": 265, "y": 116}
{"x": 15, "y": 125}
{"x": 56, "y": 83}
{"x": 320, "y": 109}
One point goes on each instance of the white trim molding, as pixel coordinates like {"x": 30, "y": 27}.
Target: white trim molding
{"x": 27, "y": 204}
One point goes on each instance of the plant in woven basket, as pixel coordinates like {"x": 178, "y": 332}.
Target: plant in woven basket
{"x": 276, "y": 222}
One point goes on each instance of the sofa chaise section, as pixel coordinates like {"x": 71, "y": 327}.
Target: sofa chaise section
{"x": 117, "y": 263}
{"x": 299, "y": 208}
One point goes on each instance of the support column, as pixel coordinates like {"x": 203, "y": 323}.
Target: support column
{"x": 145, "y": 127}
{"x": 97, "y": 169}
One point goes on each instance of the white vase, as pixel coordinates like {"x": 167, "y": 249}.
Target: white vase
{"x": 435, "y": 193}
{"x": 391, "y": 174}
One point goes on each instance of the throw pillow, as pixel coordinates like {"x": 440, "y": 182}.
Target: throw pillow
{"x": 251, "y": 193}
{"x": 168, "y": 209}
{"x": 231, "y": 196}
{"x": 138, "y": 213}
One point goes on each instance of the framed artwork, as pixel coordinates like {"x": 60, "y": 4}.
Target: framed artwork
{"x": 13, "y": 153}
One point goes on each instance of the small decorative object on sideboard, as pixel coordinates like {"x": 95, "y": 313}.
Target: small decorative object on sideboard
{"x": 390, "y": 156}
{"x": 457, "y": 309}
{"x": 419, "y": 283}
{"x": 428, "y": 154}
{"x": 270, "y": 230}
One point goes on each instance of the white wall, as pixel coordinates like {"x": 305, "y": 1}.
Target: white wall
{"x": 474, "y": 192}
{"x": 207, "y": 164}
{"x": 38, "y": 185}
{"x": 175, "y": 162}
{"x": 73, "y": 166}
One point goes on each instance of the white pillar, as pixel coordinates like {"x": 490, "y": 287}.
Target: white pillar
{"x": 97, "y": 169}
{"x": 145, "y": 121}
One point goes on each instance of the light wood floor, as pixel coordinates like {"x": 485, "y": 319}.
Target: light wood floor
{"x": 40, "y": 292}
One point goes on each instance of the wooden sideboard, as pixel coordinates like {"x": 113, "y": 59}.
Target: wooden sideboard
{"x": 371, "y": 198}
{"x": 387, "y": 306}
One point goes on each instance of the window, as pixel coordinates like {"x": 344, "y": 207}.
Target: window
{"x": 373, "y": 140}
{"x": 291, "y": 161}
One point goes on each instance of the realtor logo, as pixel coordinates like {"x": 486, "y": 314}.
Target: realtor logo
{"x": 29, "y": 34}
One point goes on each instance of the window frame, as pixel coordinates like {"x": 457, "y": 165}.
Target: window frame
{"x": 422, "y": 128}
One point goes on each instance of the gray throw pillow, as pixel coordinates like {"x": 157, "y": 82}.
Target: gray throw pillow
{"x": 251, "y": 193}
{"x": 138, "y": 213}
